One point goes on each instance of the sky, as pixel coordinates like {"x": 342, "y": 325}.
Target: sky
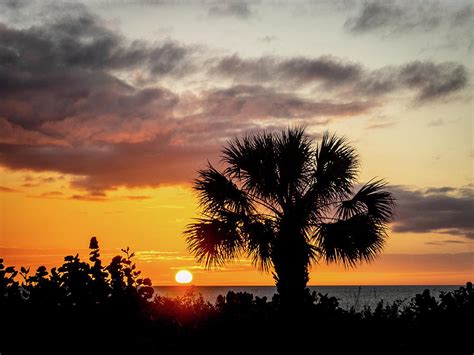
{"x": 108, "y": 109}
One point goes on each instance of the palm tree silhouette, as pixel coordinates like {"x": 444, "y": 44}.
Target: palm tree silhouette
{"x": 286, "y": 203}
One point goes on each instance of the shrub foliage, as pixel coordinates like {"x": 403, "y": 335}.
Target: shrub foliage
{"x": 87, "y": 308}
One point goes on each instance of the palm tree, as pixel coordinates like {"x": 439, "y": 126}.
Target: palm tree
{"x": 286, "y": 203}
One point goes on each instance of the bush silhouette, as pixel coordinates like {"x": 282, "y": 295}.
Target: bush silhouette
{"x": 91, "y": 308}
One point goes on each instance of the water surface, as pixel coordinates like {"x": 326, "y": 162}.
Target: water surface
{"x": 348, "y": 296}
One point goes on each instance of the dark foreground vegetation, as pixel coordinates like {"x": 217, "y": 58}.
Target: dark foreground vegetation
{"x": 88, "y": 308}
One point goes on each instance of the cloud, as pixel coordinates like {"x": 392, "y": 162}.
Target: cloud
{"x": 68, "y": 68}
{"x": 8, "y": 189}
{"x": 450, "y": 20}
{"x": 299, "y": 70}
{"x": 381, "y": 125}
{"x": 65, "y": 108}
{"x": 231, "y": 8}
{"x": 463, "y": 16}
{"x": 11, "y": 133}
{"x": 445, "y": 210}
{"x": 58, "y": 88}
{"x": 80, "y": 40}
{"x": 13, "y": 4}
{"x": 254, "y": 101}
{"x": 449, "y": 241}
{"x": 97, "y": 196}
{"x": 440, "y": 190}
{"x": 51, "y": 194}
{"x": 428, "y": 80}
{"x": 378, "y": 15}
{"x": 71, "y": 104}
{"x": 398, "y": 17}
{"x": 433, "y": 80}
{"x": 101, "y": 167}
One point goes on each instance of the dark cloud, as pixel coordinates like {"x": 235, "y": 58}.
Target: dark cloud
{"x": 374, "y": 15}
{"x": 428, "y": 80}
{"x": 463, "y": 16}
{"x": 13, "y": 4}
{"x": 440, "y": 190}
{"x": 105, "y": 153}
{"x": 80, "y": 40}
{"x": 451, "y": 20}
{"x": 260, "y": 102}
{"x": 68, "y": 104}
{"x": 106, "y": 166}
{"x": 231, "y": 8}
{"x": 433, "y": 80}
{"x": 68, "y": 112}
{"x": 395, "y": 17}
{"x": 386, "y": 17}
{"x": 67, "y": 69}
{"x": 327, "y": 69}
{"x": 444, "y": 210}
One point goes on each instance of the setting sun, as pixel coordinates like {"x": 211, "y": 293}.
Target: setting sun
{"x": 183, "y": 277}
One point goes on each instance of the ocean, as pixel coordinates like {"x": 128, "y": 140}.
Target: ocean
{"x": 348, "y": 296}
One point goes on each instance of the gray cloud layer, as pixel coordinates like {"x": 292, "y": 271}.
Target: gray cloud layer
{"x": 441, "y": 210}
{"x": 451, "y": 22}
{"x": 68, "y": 103}
{"x": 65, "y": 107}
{"x": 401, "y": 16}
{"x": 428, "y": 80}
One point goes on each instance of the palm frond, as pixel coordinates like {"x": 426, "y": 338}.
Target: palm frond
{"x": 260, "y": 236}
{"x": 358, "y": 238}
{"x": 294, "y": 154}
{"x": 336, "y": 167}
{"x": 216, "y": 193}
{"x": 215, "y": 241}
{"x": 370, "y": 199}
{"x": 252, "y": 160}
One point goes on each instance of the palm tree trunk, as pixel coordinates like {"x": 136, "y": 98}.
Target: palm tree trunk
{"x": 291, "y": 274}
{"x": 291, "y": 285}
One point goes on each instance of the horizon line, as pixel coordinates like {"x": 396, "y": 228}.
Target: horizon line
{"x": 189, "y": 286}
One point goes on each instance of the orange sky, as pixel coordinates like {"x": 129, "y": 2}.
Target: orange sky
{"x": 42, "y": 230}
{"x": 108, "y": 109}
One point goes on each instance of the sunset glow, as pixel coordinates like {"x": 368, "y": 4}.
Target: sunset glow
{"x": 108, "y": 111}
